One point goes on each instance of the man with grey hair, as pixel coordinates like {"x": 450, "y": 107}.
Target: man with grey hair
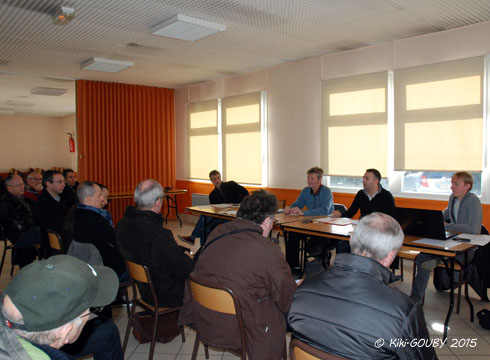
{"x": 142, "y": 239}
{"x": 350, "y": 311}
{"x": 87, "y": 223}
{"x": 46, "y": 308}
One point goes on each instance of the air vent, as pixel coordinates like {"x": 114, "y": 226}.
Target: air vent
{"x": 48, "y": 91}
{"x": 14, "y": 103}
{"x": 106, "y": 65}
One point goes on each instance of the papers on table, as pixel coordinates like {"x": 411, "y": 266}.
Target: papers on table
{"x": 480, "y": 240}
{"x": 221, "y": 206}
{"x": 446, "y": 244}
{"x": 336, "y": 221}
{"x": 229, "y": 212}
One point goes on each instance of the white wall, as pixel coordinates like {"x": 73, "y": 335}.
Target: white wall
{"x": 29, "y": 141}
{"x": 293, "y": 93}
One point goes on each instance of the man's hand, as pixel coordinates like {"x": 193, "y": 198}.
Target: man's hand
{"x": 295, "y": 211}
{"x": 336, "y": 214}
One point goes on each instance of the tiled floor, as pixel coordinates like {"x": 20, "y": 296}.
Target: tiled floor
{"x": 459, "y": 346}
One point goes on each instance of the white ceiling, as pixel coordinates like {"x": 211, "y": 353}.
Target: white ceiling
{"x": 259, "y": 34}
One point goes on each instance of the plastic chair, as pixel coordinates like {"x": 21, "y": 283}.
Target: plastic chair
{"x": 220, "y": 299}
{"x": 141, "y": 274}
{"x": 302, "y": 351}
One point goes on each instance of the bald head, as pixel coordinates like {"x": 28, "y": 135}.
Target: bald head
{"x": 148, "y": 195}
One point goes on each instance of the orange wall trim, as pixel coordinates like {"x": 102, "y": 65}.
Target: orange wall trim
{"x": 290, "y": 196}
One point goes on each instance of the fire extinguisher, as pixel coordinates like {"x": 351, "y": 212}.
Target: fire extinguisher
{"x": 71, "y": 142}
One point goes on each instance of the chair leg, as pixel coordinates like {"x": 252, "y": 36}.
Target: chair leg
{"x": 153, "y": 336}
{"x": 182, "y": 333}
{"x": 458, "y": 303}
{"x": 128, "y": 329}
{"x": 206, "y": 351}
{"x": 196, "y": 347}
{"x": 401, "y": 269}
{"x": 14, "y": 253}
{"x": 3, "y": 258}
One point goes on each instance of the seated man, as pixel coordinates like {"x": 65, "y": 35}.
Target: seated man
{"x": 319, "y": 201}
{"x": 239, "y": 255}
{"x": 47, "y": 305}
{"x": 350, "y": 311}
{"x": 70, "y": 190}
{"x": 34, "y": 185}
{"x": 372, "y": 198}
{"x": 223, "y": 193}
{"x": 463, "y": 214}
{"x": 141, "y": 238}
{"x": 16, "y": 220}
{"x": 89, "y": 225}
{"x": 50, "y": 209}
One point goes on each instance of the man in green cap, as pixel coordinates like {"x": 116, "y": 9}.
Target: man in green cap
{"x": 47, "y": 307}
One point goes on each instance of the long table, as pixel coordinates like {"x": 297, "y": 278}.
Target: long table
{"x": 343, "y": 233}
{"x": 229, "y": 213}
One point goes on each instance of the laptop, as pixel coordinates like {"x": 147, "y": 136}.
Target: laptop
{"x": 422, "y": 222}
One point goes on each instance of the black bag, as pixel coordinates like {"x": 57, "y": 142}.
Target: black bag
{"x": 441, "y": 279}
{"x": 484, "y": 318}
{"x": 168, "y": 327}
{"x": 481, "y": 264}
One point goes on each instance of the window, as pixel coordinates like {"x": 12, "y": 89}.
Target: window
{"x": 354, "y": 125}
{"x": 434, "y": 126}
{"x": 439, "y": 116}
{"x": 229, "y": 135}
{"x": 202, "y": 119}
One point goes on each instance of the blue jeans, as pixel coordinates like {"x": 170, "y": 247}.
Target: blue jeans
{"x": 201, "y": 232}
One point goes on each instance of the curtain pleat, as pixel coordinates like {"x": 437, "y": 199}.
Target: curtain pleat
{"x": 125, "y": 134}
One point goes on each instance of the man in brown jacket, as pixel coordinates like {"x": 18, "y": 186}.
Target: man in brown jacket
{"x": 253, "y": 267}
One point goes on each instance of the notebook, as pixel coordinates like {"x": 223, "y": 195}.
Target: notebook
{"x": 422, "y": 222}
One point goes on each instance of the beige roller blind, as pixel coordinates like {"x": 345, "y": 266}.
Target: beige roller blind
{"x": 354, "y": 124}
{"x": 241, "y": 130}
{"x": 439, "y": 116}
{"x": 202, "y": 122}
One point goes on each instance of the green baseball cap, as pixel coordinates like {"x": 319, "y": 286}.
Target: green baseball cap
{"x": 52, "y": 292}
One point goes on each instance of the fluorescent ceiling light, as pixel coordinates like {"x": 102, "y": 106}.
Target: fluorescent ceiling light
{"x": 187, "y": 28}
{"x": 106, "y": 65}
{"x": 14, "y": 103}
{"x": 48, "y": 91}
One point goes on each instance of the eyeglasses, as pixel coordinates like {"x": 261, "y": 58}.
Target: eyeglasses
{"x": 18, "y": 185}
{"x": 94, "y": 312}
{"x": 37, "y": 179}
{"x": 59, "y": 181}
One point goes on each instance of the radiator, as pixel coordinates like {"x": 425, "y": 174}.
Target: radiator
{"x": 200, "y": 199}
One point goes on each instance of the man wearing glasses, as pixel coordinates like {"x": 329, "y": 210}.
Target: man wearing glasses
{"x": 46, "y": 308}
{"x": 34, "y": 185}
{"x": 16, "y": 220}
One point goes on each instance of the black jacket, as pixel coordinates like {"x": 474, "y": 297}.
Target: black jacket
{"x": 90, "y": 227}
{"x": 229, "y": 192}
{"x": 49, "y": 213}
{"x": 346, "y": 310}
{"x": 382, "y": 202}
{"x": 69, "y": 196}
{"x": 15, "y": 216}
{"x": 141, "y": 238}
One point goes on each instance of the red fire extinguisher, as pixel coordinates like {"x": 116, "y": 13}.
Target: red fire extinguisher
{"x": 71, "y": 142}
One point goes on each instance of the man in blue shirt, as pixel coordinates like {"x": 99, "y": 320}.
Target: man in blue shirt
{"x": 318, "y": 200}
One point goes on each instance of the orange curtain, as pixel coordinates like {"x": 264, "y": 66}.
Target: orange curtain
{"x": 125, "y": 134}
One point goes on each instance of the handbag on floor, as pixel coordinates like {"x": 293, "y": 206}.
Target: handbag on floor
{"x": 167, "y": 330}
{"x": 484, "y": 318}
